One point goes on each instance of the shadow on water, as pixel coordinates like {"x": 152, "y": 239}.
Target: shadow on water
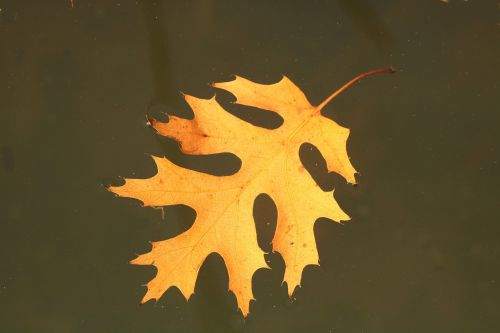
{"x": 158, "y": 54}
{"x": 362, "y": 14}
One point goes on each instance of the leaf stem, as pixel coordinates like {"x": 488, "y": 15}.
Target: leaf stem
{"x": 389, "y": 70}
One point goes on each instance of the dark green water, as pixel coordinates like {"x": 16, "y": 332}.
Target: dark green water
{"x": 422, "y": 252}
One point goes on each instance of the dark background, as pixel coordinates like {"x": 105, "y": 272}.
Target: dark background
{"x": 421, "y": 253}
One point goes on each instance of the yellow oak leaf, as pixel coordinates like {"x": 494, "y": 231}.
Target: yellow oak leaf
{"x": 224, "y": 205}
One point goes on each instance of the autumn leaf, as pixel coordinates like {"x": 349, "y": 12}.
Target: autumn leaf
{"x": 224, "y": 205}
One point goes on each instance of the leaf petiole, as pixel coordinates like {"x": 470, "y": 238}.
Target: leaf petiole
{"x": 389, "y": 70}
